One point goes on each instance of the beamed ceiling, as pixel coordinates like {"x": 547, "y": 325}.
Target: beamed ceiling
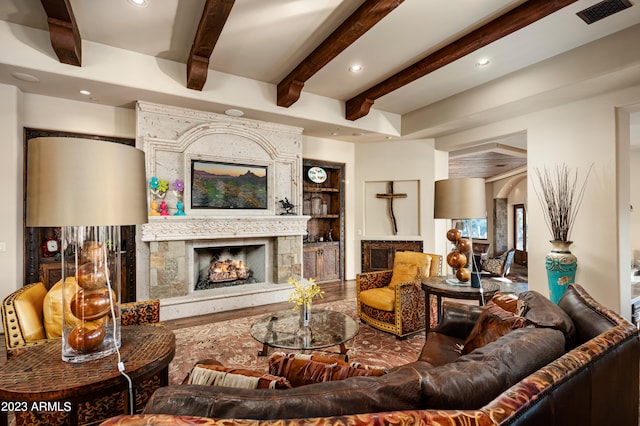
{"x": 414, "y": 54}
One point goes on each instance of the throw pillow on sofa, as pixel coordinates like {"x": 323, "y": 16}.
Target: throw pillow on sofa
{"x": 217, "y": 375}
{"x": 302, "y": 369}
{"x": 493, "y": 323}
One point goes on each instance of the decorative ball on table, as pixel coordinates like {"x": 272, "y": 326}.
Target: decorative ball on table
{"x": 458, "y": 258}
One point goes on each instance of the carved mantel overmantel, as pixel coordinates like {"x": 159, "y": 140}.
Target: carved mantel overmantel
{"x": 198, "y": 228}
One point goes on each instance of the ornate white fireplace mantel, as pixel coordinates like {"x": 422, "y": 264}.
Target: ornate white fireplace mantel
{"x": 172, "y": 139}
{"x": 198, "y": 228}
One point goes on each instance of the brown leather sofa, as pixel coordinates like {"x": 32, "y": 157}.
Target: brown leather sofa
{"x": 575, "y": 363}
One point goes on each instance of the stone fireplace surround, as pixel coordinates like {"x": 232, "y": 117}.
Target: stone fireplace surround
{"x": 171, "y": 138}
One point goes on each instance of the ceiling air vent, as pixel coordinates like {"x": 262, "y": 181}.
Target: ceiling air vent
{"x": 603, "y": 9}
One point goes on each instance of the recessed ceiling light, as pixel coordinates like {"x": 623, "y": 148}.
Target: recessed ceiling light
{"x": 355, "y": 68}
{"x": 483, "y": 62}
{"x": 234, "y": 112}
{"x": 139, "y": 3}
{"x": 23, "y": 76}
{"x": 85, "y": 92}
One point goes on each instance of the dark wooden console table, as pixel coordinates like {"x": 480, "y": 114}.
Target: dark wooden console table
{"x": 438, "y": 287}
{"x": 84, "y": 393}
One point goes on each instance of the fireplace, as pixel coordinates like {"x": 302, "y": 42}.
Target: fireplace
{"x": 175, "y": 252}
{"x": 226, "y": 266}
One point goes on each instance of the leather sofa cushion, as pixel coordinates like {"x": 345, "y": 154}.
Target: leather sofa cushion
{"x": 403, "y": 273}
{"x": 217, "y": 375}
{"x": 383, "y": 298}
{"x": 493, "y": 323}
{"x": 28, "y": 308}
{"x": 475, "y": 379}
{"x": 542, "y": 312}
{"x": 589, "y": 321}
{"x": 302, "y": 369}
{"x": 52, "y": 308}
{"x": 440, "y": 349}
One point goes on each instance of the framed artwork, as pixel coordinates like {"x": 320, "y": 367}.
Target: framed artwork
{"x": 216, "y": 185}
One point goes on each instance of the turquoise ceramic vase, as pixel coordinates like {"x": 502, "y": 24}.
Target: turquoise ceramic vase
{"x": 561, "y": 269}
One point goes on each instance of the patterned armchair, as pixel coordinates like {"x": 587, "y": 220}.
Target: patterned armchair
{"x": 393, "y": 300}
{"x": 24, "y": 324}
{"x": 498, "y": 267}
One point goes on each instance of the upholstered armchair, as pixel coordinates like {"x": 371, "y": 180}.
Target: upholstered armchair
{"x": 393, "y": 300}
{"x": 24, "y": 321}
{"x": 498, "y": 267}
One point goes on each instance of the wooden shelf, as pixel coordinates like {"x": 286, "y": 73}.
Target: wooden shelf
{"x": 325, "y": 216}
{"x": 320, "y": 189}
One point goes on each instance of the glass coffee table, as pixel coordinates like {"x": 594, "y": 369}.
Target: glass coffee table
{"x": 283, "y": 330}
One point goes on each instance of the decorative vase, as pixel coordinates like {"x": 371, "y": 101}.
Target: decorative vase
{"x": 305, "y": 315}
{"x": 561, "y": 268}
{"x": 91, "y": 289}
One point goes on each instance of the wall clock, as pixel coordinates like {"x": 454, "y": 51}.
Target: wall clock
{"x": 50, "y": 248}
{"x": 317, "y": 174}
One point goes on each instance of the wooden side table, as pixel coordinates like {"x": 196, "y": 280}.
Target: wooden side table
{"x": 41, "y": 389}
{"x": 438, "y": 287}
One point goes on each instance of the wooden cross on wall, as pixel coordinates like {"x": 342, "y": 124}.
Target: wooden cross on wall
{"x": 390, "y": 196}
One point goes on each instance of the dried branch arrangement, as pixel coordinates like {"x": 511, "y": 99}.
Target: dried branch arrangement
{"x": 559, "y": 199}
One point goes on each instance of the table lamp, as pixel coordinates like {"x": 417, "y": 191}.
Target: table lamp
{"x": 89, "y": 188}
{"x": 462, "y": 199}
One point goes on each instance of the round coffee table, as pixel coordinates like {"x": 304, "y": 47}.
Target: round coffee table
{"x": 439, "y": 287}
{"x": 283, "y": 330}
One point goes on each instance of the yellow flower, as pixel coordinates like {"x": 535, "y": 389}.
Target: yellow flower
{"x": 303, "y": 293}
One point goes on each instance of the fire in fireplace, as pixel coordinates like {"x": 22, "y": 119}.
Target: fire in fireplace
{"x": 228, "y": 266}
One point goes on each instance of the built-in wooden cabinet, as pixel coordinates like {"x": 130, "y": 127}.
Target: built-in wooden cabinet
{"x": 322, "y": 261}
{"x": 323, "y": 200}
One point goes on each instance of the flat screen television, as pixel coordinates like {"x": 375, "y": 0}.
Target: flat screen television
{"x": 216, "y": 185}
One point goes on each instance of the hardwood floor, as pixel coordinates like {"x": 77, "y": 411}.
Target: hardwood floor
{"x": 334, "y": 291}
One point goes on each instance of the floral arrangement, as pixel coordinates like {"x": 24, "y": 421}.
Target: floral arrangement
{"x": 158, "y": 187}
{"x": 178, "y": 185}
{"x": 559, "y": 200}
{"x": 303, "y": 293}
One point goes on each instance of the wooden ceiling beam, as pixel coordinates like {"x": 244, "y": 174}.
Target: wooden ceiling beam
{"x": 214, "y": 16}
{"x": 514, "y": 20}
{"x": 63, "y": 31}
{"x": 359, "y": 22}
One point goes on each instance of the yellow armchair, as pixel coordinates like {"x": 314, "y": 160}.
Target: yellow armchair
{"x": 393, "y": 300}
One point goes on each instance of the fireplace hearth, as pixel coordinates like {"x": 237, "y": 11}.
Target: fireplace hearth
{"x": 229, "y": 266}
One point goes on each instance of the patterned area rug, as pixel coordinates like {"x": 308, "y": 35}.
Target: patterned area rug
{"x": 230, "y": 343}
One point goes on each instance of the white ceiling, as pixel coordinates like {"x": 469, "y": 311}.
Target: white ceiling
{"x": 263, "y": 40}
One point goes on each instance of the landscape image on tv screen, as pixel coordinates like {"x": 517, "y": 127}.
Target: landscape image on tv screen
{"x": 227, "y": 186}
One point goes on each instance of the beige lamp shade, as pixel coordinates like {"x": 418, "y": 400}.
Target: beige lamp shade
{"x": 84, "y": 182}
{"x": 461, "y": 198}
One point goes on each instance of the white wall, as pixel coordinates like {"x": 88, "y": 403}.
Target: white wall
{"x": 577, "y": 134}
{"x": 398, "y": 161}
{"x": 634, "y": 183}
{"x": 11, "y": 231}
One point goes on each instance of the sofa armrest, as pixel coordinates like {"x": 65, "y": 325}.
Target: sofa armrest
{"x": 376, "y": 279}
{"x": 458, "y": 319}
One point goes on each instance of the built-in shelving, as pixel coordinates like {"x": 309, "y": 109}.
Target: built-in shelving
{"x": 324, "y": 203}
